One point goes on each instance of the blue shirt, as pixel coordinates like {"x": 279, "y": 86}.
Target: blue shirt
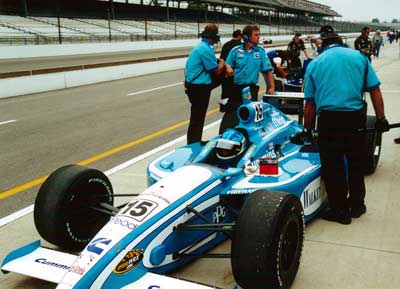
{"x": 335, "y": 79}
{"x": 200, "y": 63}
{"x": 272, "y": 53}
{"x": 247, "y": 64}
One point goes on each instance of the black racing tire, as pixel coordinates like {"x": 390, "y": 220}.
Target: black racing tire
{"x": 63, "y": 211}
{"x": 268, "y": 241}
{"x": 373, "y": 147}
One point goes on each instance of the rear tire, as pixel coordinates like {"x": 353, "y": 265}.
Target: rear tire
{"x": 268, "y": 241}
{"x": 373, "y": 147}
{"x": 63, "y": 215}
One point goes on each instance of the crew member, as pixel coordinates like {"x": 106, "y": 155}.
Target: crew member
{"x": 277, "y": 59}
{"x": 245, "y": 62}
{"x": 334, "y": 86}
{"x": 227, "y": 82}
{"x": 363, "y": 43}
{"x": 296, "y": 46}
{"x": 199, "y": 66}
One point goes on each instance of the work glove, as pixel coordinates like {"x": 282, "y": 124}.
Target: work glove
{"x": 304, "y": 137}
{"x": 382, "y": 125}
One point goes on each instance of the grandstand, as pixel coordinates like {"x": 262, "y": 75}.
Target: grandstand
{"x": 47, "y": 21}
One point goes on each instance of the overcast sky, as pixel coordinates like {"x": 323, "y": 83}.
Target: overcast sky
{"x": 364, "y": 10}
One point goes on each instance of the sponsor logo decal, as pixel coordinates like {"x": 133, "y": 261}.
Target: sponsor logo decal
{"x": 240, "y": 191}
{"x": 313, "y": 196}
{"x": 124, "y": 223}
{"x": 52, "y": 264}
{"x": 219, "y": 214}
{"x": 256, "y": 55}
{"x": 94, "y": 245}
{"x": 130, "y": 261}
{"x": 77, "y": 270}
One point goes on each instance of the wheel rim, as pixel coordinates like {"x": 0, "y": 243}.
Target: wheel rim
{"x": 84, "y": 221}
{"x": 290, "y": 244}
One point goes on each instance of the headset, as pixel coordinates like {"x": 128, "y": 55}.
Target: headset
{"x": 245, "y": 37}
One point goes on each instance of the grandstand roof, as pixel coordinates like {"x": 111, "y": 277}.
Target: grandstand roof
{"x": 241, "y": 4}
{"x": 290, "y": 6}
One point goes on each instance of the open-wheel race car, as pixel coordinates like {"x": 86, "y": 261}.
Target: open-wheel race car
{"x": 252, "y": 185}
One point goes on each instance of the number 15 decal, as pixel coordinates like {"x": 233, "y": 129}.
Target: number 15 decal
{"x": 139, "y": 209}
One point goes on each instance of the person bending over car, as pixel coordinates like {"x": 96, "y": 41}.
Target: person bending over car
{"x": 278, "y": 59}
{"x": 334, "y": 86}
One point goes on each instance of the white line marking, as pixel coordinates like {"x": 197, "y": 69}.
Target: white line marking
{"x": 154, "y": 89}
{"x": 8, "y": 121}
{"x": 16, "y": 215}
{"x": 21, "y": 213}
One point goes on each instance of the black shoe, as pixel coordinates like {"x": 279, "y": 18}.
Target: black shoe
{"x": 358, "y": 211}
{"x": 339, "y": 216}
{"x": 397, "y": 140}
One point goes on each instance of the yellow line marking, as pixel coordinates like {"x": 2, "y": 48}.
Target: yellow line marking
{"x": 100, "y": 156}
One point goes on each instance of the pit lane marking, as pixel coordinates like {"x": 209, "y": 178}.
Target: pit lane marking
{"x": 8, "y": 121}
{"x": 103, "y": 155}
{"x": 23, "y": 212}
{"x": 154, "y": 89}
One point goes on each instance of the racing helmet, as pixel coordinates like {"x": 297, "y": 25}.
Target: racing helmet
{"x": 230, "y": 145}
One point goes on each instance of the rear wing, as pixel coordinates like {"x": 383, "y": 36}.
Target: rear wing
{"x": 287, "y": 102}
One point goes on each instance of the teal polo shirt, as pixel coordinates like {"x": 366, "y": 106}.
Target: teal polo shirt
{"x": 247, "y": 64}
{"x": 335, "y": 79}
{"x": 200, "y": 64}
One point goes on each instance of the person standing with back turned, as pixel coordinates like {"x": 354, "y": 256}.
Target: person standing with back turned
{"x": 334, "y": 86}
{"x": 245, "y": 62}
{"x": 200, "y": 65}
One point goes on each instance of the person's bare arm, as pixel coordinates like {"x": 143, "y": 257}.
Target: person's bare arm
{"x": 309, "y": 115}
{"x": 221, "y": 65}
{"x": 269, "y": 81}
{"x": 377, "y": 101}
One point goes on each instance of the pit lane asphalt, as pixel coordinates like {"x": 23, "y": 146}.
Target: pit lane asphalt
{"x": 363, "y": 255}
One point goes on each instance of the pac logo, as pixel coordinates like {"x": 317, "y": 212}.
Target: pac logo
{"x": 130, "y": 261}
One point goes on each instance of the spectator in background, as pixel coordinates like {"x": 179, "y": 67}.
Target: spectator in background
{"x": 200, "y": 64}
{"x": 363, "y": 43}
{"x": 227, "y": 82}
{"x": 296, "y": 46}
{"x": 377, "y": 42}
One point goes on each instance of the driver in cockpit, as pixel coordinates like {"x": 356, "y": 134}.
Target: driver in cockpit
{"x": 230, "y": 148}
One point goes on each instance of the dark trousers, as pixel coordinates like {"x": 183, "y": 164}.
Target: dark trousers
{"x": 341, "y": 144}
{"x": 199, "y": 97}
{"x": 230, "y": 119}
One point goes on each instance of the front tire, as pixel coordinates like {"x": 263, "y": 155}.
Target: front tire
{"x": 63, "y": 211}
{"x": 268, "y": 241}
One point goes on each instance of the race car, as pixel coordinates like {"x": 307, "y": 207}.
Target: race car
{"x": 256, "y": 184}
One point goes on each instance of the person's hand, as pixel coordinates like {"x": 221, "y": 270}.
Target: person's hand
{"x": 382, "y": 125}
{"x": 221, "y": 61}
{"x": 270, "y": 91}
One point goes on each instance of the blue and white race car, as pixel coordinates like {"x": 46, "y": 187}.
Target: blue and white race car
{"x": 252, "y": 185}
